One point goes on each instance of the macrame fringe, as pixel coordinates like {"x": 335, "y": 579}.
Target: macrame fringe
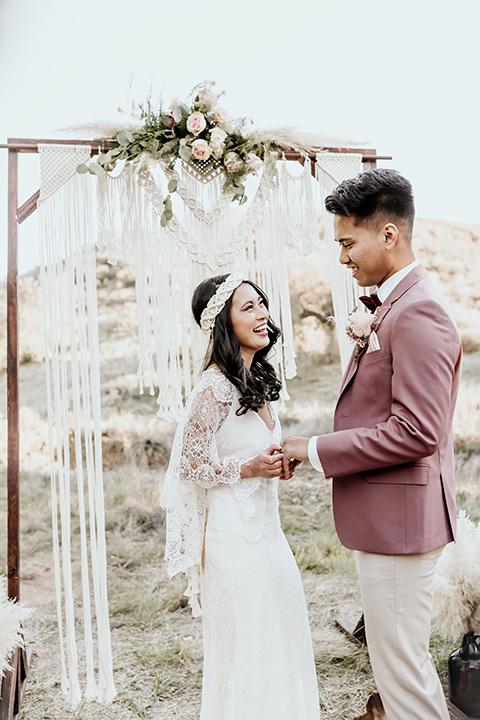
{"x": 206, "y": 236}
{"x": 67, "y": 224}
{"x": 330, "y": 170}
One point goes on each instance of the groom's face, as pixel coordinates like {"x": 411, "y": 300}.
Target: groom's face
{"x": 363, "y": 250}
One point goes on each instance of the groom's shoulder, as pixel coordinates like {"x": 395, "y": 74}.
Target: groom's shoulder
{"x": 425, "y": 307}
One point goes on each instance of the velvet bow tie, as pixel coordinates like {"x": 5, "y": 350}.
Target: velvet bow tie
{"x": 371, "y": 301}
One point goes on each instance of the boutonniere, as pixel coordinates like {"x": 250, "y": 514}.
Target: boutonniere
{"x": 359, "y": 329}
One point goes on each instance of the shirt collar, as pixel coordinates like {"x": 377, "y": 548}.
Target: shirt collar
{"x": 384, "y": 290}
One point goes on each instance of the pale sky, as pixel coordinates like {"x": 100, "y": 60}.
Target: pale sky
{"x": 403, "y": 77}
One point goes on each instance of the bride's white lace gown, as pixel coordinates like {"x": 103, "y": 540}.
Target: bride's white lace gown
{"x": 258, "y": 658}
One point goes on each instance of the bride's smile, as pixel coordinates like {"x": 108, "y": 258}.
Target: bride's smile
{"x": 249, "y": 316}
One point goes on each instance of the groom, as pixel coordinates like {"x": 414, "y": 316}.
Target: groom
{"x": 391, "y": 452}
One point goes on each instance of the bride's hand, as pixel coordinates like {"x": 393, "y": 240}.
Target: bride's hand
{"x": 267, "y": 464}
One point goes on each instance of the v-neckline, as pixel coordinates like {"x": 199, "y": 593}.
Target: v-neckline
{"x": 270, "y": 429}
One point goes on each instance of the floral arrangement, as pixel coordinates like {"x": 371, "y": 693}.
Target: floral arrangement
{"x": 359, "y": 329}
{"x": 195, "y": 131}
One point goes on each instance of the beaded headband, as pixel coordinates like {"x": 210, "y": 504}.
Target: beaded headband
{"x": 217, "y": 301}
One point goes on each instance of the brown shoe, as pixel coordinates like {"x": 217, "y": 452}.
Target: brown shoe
{"x": 375, "y": 709}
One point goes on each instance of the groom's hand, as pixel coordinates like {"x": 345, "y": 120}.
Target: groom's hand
{"x": 295, "y": 450}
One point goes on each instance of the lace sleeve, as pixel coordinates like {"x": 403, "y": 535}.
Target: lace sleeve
{"x": 199, "y": 460}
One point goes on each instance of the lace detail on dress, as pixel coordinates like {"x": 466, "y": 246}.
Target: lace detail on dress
{"x": 209, "y": 408}
{"x": 194, "y": 466}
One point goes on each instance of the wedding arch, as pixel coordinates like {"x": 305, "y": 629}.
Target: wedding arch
{"x": 174, "y": 243}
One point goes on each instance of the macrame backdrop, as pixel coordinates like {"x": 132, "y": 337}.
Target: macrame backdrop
{"x": 67, "y": 229}
{"x": 330, "y": 170}
{"x": 208, "y": 235}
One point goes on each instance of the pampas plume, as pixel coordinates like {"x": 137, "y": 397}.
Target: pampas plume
{"x": 100, "y": 129}
{"x": 12, "y": 615}
{"x": 456, "y": 590}
{"x": 291, "y": 139}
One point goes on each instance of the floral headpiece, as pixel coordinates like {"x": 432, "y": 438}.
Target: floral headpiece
{"x": 217, "y": 301}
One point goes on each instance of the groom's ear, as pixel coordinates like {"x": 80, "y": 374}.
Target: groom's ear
{"x": 390, "y": 235}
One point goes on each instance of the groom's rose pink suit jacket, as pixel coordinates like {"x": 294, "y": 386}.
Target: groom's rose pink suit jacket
{"x": 391, "y": 455}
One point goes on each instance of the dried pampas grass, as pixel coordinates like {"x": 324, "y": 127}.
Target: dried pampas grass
{"x": 100, "y": 129}
{"x": 456, "y": 594}
{"x": 291, "y": 139}
{"x": 12, "y": 615}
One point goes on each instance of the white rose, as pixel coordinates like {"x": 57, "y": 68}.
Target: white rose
{"x": 221, "y": 115}
{"x": 175, "y": 103}
{"x": 362, "y": 324}
{"x": 196, "y": 123}
{"x": 233, "y": 162}
{"x": 207, "y": 100}
{"x": 217, "y": 138}
{"x": 253, "y": 162}
{"x": 201, "y": 150}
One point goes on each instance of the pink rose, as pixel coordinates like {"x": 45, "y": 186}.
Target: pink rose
{"x": 201, "y": 150}
{"x": 253, "y": 162}
{"x": 206, "y": 100}
{"x": 233, "y": 162}
{"x": 221, "y": 115}
{"x": 196, "y": 123}
{"x": 362, "y": 323}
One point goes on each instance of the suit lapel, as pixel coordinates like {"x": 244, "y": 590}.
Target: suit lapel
{"x": 414, "y": 276}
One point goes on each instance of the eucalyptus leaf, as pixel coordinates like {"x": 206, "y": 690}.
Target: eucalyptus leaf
{"x": 172, "y": 185}
{"x": 116, "y": 151}
{"x": 243, "y": 200}
{"x": 95, "y": 169}
{"x": 129, "y": 135}
{"x": 168, "y": 214}
{"x": 122, "y": 138}
{"x": 82, "y": 168}
{"x": 163, "y": 220}
{"x": 184, "y": 153}
{"x": 168, "y": 203}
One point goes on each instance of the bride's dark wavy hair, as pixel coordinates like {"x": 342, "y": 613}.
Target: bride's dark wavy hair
{"x": 258, "y": 385}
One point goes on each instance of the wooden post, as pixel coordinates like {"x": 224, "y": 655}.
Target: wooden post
{"x": 13, "y": 426}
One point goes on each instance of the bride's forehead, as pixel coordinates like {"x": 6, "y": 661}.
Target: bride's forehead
{"x": 243, "y": 293}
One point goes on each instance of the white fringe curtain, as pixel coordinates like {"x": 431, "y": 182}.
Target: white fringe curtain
{"x": 207, "y": 235}
{"x": 67, "y": 230}
{"x": 330, "y": 170}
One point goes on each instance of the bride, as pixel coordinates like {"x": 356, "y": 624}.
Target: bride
{"x": 223, "y": 527}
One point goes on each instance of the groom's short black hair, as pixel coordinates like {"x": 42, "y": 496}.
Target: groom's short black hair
{"x": 381, "y": 194}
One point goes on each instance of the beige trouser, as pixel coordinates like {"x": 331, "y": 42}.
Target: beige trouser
{"x": 397, "y": 604}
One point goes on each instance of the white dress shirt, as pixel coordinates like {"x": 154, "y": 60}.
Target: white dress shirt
{"x": 382, "y": 292}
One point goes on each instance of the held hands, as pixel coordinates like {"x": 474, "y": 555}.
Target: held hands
{"x": 295, "y": 451}
{"x": 267, "y": 464}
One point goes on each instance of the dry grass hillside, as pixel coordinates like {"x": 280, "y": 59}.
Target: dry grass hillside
{"x": 157, "y": 646}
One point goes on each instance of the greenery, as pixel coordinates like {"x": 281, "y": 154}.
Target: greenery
{"x": 197, "y": 132}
